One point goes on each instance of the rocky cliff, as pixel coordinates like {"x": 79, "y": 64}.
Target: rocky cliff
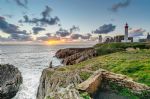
{"x": 10, "y": 80}
{"x": 72, "y": 56}
{"x": 88, "y": 80}
{"x": 57, "y": 83}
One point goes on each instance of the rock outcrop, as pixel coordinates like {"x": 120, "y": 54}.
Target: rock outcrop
{"x": 58, "y": 85}
{"x": 10, "y": 80}
{"x": 72, "y": 56}
{"x": 63, "y": 53}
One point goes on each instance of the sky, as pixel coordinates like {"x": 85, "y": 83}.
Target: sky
{"x": 41, "y": 20}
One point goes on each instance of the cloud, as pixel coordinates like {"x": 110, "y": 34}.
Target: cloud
{"x": 13, "y": 30}
{"x": 87, "y": 36}
{"x": 69, "y": 33}
{"x": 46, "y": 12}
{"x": 105, "y": 29}
{"x": 62, "y": 32}
{"x": 36, "y": 30}
{"x": 120, "y": 5}
{"x": 3, "y": 39}
{"x": 45, "y": 20}
{"x": 8, "y": 15}
{"x": 9, "y": 28}
{"x": 26, "y": 18}
{"x": 48, "y": 34}
{"x": 50, "y": 21}
{"x": 47, "y": 37}
{"x": 21, "y": 37}
{"x": 77, "y": 36}
{"x": 74, "y": 28}
{"x": 22, "y": 3}
{"x": 137, "y": 32}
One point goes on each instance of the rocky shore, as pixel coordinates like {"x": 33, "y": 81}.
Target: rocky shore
{"x": 10, "y": 80}
{"x": 86, "y": 82}
{"x": 59, "y": 84}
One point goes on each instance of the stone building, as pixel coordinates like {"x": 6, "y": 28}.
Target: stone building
{"x": 148, "y": 37}
{"x": 118, "y": 38}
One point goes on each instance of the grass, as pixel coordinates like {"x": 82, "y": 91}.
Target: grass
{"x": 113, "y": 57}
{"x": 123, "y": 91}
{"x": 85, "y": 75}
{"x": 85, "y": 95}
{"x": 127, "y": 92}
{"x": 108, "y": 48}
{"x": 133, "y": 64}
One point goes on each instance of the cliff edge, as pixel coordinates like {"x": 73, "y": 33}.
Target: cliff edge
{"x": 120, "y": 71}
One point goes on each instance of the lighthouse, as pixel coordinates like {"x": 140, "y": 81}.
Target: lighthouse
{"x": 126, "y": 34}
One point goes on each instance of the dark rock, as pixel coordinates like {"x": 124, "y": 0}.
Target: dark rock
{"x": 63, "y": 53}
{"x": 75, "y": 55}
{"x": 10, "y": 80}
{"x": 79, "y": 57}
{"x": 51, "y": 64}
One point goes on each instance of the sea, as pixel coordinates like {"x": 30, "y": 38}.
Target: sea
{"x": 31, "y": 60}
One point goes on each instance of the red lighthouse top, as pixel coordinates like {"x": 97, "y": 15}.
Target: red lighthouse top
{"x": 126, "y": 25}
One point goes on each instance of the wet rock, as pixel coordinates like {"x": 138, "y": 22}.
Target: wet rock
{"x": 10, "y": 80}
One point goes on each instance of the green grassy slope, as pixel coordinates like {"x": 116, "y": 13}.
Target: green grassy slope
{"x": 135, "y": 64}
{"x": 108, "y": 48}
{"x": 113, "y": 57}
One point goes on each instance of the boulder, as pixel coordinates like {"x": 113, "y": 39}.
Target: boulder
{"x": 92, "y": 84}
{"x": 10, "y": 80}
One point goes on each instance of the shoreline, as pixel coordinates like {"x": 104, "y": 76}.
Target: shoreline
{"x": 82, "y": 63}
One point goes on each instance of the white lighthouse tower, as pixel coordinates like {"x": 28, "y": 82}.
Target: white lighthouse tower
{"x": 126, "y": 34}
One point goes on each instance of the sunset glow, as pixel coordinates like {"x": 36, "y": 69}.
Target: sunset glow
{"x": 55, "y": 42}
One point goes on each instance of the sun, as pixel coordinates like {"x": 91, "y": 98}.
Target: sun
{"x": 55, "y": 42}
